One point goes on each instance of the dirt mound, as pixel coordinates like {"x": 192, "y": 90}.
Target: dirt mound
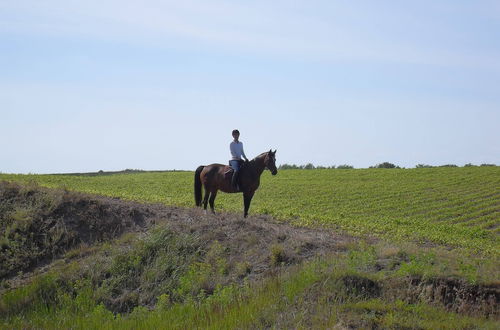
{"x": 39, "y": 224}
{"x": 455, "y": 295}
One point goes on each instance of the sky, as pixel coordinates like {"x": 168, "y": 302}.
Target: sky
{"x": 159, "y": 85}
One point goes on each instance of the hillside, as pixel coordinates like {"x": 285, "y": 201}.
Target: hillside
{"x": 82, "y": 260}
{"x": 88, "y": 261}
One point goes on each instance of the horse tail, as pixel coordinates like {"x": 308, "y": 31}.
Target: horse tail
{"x": 197, "y": 185}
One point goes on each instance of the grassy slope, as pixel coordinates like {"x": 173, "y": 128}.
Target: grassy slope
{"x": 315, "y": 295}
{"x": 457, "y": 207}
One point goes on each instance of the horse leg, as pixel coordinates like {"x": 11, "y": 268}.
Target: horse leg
{"x": 213, "y": 194}
{"x": 205, "y": 199}
{"x": 247, "y": 198}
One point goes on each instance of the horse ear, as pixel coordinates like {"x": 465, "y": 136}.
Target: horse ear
{"x": 270, "y": 151}
{"x": 274, "y": 151}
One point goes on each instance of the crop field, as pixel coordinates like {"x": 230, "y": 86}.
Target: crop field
{"x": 453, "y": 207}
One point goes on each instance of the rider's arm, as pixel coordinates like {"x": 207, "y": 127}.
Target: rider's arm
{"x": 243, "y": 153}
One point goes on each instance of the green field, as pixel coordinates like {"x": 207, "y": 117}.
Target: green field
{"x": 436, "y": 233}
{"x": 455, "y": 207}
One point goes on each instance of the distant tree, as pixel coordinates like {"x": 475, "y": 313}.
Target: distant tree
{"x": 488, "y": 165}
{"x": 288, "y": 167}
{"x": 309, "y": 166}
{"x": 469, "y": 165}
{"x": 423, "y": 166}
{"x": 385, "y": 165}
{"x": 449, "y": 165}
{"x": 345, "y": 167}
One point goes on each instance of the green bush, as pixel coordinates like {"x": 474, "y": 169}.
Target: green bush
{"x": 278, "y": 256}
{"x": 385, "y": 165}
{"x": 203, "y": 278}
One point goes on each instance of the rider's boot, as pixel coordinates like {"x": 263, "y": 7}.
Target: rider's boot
{"x": 234, "y": 181}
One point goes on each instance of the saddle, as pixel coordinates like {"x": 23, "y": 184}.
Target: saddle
{"x": 228, "y": 172}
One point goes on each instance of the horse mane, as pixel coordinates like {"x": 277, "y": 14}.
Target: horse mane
{"x": 261, "y": 155}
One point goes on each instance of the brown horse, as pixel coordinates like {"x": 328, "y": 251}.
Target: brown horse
{"x": 217, "y": 177}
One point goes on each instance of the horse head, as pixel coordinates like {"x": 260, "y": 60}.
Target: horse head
{"x": 270, "y": 161}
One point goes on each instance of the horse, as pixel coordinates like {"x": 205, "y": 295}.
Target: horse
{"x": 217, "y": 177}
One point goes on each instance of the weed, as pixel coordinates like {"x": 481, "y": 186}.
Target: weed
{"x": 243, "y": 268}
{"x": 278, "y": 256}
{"x": 419, "y": 265}
{"x": 362, "y": 259}
{"x": 203, "y": 278}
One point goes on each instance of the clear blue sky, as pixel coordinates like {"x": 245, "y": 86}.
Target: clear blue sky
{"x": 91, "y": 85}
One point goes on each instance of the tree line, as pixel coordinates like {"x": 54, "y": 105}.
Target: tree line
{"x": 310, "y": 166}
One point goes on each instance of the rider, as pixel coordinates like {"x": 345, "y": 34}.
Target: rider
{"x": 237, "y": 152}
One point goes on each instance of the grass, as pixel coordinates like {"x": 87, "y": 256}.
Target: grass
{"x": 339, "y": 290}
{"x": 162, "y": 279}
{"x": 456, "y": 207}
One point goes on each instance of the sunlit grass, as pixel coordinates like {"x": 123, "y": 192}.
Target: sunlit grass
{"x": 312, "y": 295}
{"x": 458, "y": 207}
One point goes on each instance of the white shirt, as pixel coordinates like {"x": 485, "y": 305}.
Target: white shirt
{"x": 237, "y": 150}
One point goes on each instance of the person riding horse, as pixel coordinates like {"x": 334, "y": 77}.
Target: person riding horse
{"x": 236, "y": 148}
{"x": 215, "y": 177}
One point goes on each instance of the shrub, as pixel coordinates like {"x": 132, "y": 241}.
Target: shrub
{"x": 308, "y": 166}
{"x": 424, "y": 166}
{"x": 288, "y": 167}
{"x": 243, "y": 269}
{"x": 278, "y": 255}
{"x": 385, "y": 165}
{"x": 203, "y": 278}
